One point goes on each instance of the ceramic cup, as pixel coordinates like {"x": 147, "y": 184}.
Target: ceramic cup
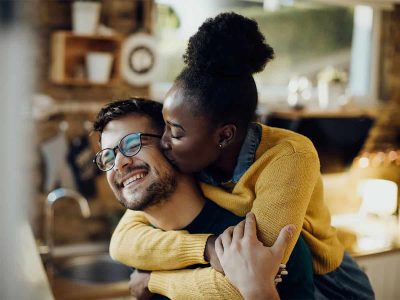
{"x": 85, "y": 17}
{"x": 98, "y": 65}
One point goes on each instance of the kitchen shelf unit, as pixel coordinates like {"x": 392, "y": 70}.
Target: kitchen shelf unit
{"x": 68, "y": 52}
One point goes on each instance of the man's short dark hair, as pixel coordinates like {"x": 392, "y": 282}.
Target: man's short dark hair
{"x": 121, "y": 108}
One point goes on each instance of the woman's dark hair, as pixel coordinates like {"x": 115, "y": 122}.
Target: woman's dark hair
{"x": 121, "y": 108}
{"x": 220, "y": 60}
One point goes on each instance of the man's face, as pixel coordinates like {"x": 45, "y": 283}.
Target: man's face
{"x": 144, "y": 179}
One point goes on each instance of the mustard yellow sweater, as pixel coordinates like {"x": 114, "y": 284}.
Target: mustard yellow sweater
{"x": 282, "y": 186}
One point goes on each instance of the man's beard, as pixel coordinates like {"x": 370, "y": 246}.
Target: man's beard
{"x": 154, "y": 194}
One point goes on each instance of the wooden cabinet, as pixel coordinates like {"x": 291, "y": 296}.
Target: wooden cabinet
{"x": 68, "y": 56}
{"x": 383, "y": 270}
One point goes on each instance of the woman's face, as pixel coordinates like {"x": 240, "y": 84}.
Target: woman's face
{"x": 190, "y": 141}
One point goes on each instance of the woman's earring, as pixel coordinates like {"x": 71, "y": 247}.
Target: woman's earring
{"x": 220, "y": 146}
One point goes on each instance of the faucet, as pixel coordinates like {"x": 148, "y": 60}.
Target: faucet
{"x": 52, "y": 198}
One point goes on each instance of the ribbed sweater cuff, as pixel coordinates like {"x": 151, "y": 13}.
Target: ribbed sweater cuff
{"x": 191, "y": 251}
{"x": 158, "y": 283}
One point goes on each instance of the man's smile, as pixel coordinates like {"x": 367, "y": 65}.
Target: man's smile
{"x": 135, "y": 178}
{"x": 134, "y": 175}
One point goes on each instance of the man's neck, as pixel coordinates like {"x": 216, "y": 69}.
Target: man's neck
{"x": 180, "y": 209}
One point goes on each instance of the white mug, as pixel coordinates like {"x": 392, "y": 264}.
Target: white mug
{"x": 98, "y": 66}
{"x": 85, "y": 17}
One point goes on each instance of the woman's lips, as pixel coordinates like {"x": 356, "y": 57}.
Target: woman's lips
{"x": 169, "y": 157}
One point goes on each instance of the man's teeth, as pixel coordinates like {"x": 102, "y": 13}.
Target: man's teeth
{"x": 134, "y": 178}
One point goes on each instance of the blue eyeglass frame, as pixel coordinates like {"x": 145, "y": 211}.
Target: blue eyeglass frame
{"x": 114, "y": 150}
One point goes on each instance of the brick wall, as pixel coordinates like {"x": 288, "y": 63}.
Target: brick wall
{"x": 385, "y": 134}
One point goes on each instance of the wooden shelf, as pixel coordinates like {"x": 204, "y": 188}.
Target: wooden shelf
{"x": 68, "y": 52}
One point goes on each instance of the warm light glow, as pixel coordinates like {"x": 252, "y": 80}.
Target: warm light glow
{"x": 363, "y": 162}
{"x": 392, "y": 155}
{"x": 378, "y": 196}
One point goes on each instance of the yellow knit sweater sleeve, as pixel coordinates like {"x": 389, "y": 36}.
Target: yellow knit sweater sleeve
{"x": 283, "y": 193}
{"x": 290, "y": 191}
{"x": 201, "y": 283}
{"x": 136, "y": 243}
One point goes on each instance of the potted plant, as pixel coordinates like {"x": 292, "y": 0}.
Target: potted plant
{"x": 85, "y": 16}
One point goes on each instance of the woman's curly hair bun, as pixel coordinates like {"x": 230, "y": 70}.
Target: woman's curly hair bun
{"x": 229, "y": 44}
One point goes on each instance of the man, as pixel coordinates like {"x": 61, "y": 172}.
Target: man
{"x": 143, "y": 180}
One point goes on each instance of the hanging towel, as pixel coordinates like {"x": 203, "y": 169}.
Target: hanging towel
{"x": 57, "y": 171}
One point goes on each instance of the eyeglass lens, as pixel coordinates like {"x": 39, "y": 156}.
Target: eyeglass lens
{"x": 129, "y": 146}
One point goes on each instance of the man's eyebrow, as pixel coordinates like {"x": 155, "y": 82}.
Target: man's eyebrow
{"x": 175, "y": 125}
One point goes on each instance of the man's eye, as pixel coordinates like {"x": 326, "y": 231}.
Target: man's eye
{"x": 108, "y": 161}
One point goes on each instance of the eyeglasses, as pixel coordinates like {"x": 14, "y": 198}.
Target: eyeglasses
{"x": 129, "y": 146}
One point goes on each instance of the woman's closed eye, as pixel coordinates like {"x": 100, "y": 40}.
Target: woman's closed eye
{"x": 176, "y": 136}
{"x": 176, "y": 133}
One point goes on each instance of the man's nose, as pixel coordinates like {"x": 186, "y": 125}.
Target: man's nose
{"x": 166, "y": 141}
{"x": 121, "y": 161}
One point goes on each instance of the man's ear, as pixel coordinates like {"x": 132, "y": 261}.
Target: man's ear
{"x": 226, "y": 135}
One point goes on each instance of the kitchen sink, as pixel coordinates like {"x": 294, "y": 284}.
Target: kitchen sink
{"x": 93, "y": 269}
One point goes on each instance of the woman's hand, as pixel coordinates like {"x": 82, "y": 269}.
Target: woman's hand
{"x": 248, "y": 264}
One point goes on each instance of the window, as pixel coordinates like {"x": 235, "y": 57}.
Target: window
{"x": 307, "y": 36}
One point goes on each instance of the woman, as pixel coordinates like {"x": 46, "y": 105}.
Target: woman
{"x": 245, "y": 166}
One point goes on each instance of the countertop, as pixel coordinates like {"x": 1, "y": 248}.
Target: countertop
{"x": 365, "y": 235}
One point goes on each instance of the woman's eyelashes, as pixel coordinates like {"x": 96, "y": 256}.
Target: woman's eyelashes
{"x": 176, "y": 136}
{"x": 172, "y": 131}
{"x": 176, "y": 133}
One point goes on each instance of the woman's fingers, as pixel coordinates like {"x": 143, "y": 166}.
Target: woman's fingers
{"x": 238, "y": 231}
{"x": 250, "y": 228}
{"x": 281, "y": 243}
{"x": 226, "y": 237}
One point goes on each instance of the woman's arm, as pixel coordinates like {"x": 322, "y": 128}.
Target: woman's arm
{"x": 250, "y": 267}
{"x": 247, "y": 263}
{"x": 136, "y": 243}
{"x": 186, "y": 284}
{"x": 280, "y": 196}
{"x": 283, "y": 193}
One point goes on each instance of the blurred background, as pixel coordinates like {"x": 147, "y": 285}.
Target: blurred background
{"x": 335, "y": 79}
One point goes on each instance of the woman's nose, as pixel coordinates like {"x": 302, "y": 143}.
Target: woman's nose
{"x": 166, "y": 141}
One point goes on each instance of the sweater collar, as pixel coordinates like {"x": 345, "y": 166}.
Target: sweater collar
{"x": 246, "y": 157}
